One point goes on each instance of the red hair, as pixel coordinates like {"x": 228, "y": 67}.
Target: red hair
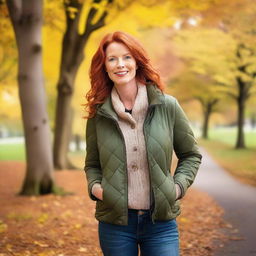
{"x": 101, "y": 85}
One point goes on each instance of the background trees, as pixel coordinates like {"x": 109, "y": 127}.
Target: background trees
{"x": 203, "y": 50}
{"x": 241, "y": 28}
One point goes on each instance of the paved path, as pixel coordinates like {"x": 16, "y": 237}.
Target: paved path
{"x": 238, "y": 201}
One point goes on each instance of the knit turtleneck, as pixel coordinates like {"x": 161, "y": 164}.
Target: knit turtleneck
{"x": 131, "y": 126}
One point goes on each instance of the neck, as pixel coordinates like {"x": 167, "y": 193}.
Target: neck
{"x": 127, "y": 94}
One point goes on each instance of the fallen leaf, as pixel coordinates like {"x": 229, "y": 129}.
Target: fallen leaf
{"x": 3, "y": 226}
{"x": 60, "y": 242}
{"x": 43, "y": 218}
{"x": 56, "y": 203}
{"x": 82, "y": 249}
{"x": 78, "y": 226}
{"x": 183, "y": 219}
{"x": 8, "y": 247}
{"x": 44, "y": 205}
{"x": 41, "y": 244}
{"x": 65, "y": 233}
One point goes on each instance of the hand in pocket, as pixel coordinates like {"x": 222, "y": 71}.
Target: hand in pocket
{"x": 97, "y": 191}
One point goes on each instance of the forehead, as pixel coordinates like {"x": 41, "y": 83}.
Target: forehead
{"x": 116, "y": 48}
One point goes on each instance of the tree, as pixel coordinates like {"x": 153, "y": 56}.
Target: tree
{"x": 73, "y": 45}
{"x": 26, "y": 17}
{"x": 206, "y": 64}
{"x": 245, "y": 82}
{"x": 241, "y": 27}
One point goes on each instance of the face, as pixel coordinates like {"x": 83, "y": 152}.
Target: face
{"x": 120, "y": 64}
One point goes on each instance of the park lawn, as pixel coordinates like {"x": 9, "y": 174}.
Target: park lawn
{"x": 16, "y": 152}
{"x": 239, "y": 162}
{"x": 12, "y": 151}
{"x": 228, "y": 136}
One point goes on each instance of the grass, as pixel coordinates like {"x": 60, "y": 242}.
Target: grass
{"x": 239, "y": 162}
{"x": 12, "y": 152}
{"x": 16, "y": 152}
{"x": 228, "y": 136}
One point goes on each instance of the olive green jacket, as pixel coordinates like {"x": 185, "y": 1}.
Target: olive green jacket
{"x": 166, "y": 128}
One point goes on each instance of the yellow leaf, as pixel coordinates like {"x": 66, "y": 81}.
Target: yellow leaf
{"x": 184, "y": 220}
{"x": 43, "y": 218}
{"x": 3, "y": 226}
{"x": 82, "y": 249}
{"x": 8, "y": 247}
{"x": 66, "y": 214}
{"x": 41, "y": 244}
{"x": 78, "y": 226}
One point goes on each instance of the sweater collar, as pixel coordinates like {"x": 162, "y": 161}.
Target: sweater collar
{"x": 139, "y": 109}
{"x": 155, "y": 97}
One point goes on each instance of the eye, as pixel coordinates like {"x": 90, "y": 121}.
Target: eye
{"x": 111, "y": 59}
{"x": 127, "y": 57}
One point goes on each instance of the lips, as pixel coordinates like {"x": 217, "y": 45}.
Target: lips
{"x": 121, "y": 73}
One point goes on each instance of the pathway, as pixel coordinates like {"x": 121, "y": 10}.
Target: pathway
{"x": 238, "y": 201}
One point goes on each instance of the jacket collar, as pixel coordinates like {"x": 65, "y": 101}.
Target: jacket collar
{"x": 155, "y": 97}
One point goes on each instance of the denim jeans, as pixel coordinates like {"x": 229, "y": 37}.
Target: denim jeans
{"x": 158, "y": 239}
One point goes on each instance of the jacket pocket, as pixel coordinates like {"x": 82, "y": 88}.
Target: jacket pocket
{"x": 110, "y": 194}
{"x": 169, "y": 190}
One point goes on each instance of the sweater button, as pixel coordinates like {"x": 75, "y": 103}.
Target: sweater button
{"x": 135, "y": 148}
{"x": 133, "y": 126}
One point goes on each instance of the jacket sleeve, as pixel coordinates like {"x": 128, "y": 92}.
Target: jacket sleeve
{"x": 92, "y": 164}
{"x": 186, "y": 149}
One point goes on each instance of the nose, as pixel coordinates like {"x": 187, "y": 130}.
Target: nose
{"x": 120, "y": 63}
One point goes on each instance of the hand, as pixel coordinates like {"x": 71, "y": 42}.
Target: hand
{"x": 178, "y": 191}
{"x": 97, "y": 191}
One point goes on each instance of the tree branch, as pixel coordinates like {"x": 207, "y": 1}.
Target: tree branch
{"x": 15, "y": 10}
{"x": 72, "y": 20}
{"x": 232, "y": 95}
{"x": 89, "y": 27}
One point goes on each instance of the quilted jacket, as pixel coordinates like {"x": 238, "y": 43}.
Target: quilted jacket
{"x": 166, "y": 128}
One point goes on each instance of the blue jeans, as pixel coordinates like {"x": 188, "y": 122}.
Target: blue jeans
{"x": 160, "y": 238}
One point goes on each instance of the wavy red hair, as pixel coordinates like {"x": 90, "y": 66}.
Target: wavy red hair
{"x": 101, "y": 85}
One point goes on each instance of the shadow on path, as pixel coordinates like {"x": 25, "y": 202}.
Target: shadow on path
{"x": 237, "y": 199}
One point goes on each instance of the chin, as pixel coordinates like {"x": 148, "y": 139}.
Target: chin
{"x": 124, "y": 82}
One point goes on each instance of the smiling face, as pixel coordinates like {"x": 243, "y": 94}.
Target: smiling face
{"x": 120, "y": 64}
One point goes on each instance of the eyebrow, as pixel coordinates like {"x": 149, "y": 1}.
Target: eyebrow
{"x": 114, "y": 55}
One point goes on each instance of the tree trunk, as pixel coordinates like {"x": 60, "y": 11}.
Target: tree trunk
{"x": 241, "y": 99}
{"x": 63, "y": 115}
{"x": 72, "y": 56}
{"x": 240, "y": 143}
{"x": 207, "y": 114}
{"x": 26, "y": 18}
{"x": 208, "y": 108}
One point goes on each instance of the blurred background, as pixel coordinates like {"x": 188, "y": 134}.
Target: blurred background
{"x": 204, "y": 50}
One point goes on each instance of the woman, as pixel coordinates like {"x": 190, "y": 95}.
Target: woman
{"x": 132, "y": 130}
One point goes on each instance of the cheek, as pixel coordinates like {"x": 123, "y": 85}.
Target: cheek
{"x": 109, "y": 67}
{"x": 132, "y": 66}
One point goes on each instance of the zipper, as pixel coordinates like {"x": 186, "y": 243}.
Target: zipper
{"x": 150, "y": 176}
{"x": 100, "y": 112}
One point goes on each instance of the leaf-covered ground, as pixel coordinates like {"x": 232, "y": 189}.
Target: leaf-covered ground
{"x": 65, "y": 226}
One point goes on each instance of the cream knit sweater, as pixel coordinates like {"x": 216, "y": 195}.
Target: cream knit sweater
{"x": 131, "y": 126}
